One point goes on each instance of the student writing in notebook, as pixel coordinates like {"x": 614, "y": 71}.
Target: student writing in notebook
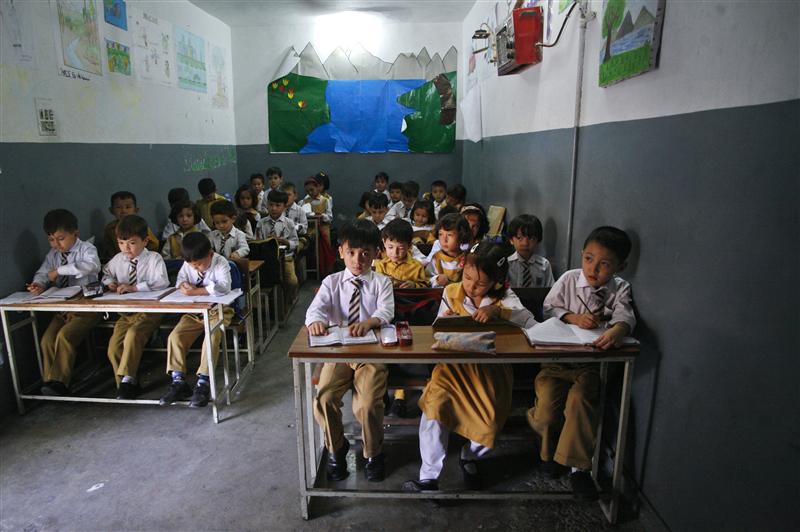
{"x": 361, "y": 300}
{"x": 564, "y": 415}
{"x": 377, "y": 207}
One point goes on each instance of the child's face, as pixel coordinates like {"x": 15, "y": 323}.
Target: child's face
{"x": 408, "y": 201}
{"x": 357, "y": 260}
{"x": 377, "y": 214}
{"x": 202, "y": 265}
{"x": 380, "y": 184}
{"x": 132, "y": 247}
{"x": 599, "y": 264}
{"x": 275, "y": 209}
{"x": 257, "y": 184}
{"x": 223, "y": 223}
{"x": 245, "y": 201}
{"x": 396, "y": 194}
{"x": 453, "y": 202}
{"x": 420, "y": 217}
{"x": 62, "y": 241}
{"x": 476, "y": 284}
{"x": 313, "y": 189}
{"x": 524, "y": 245}
{"x": 449, "y": 241}
{"x": 185, "y": 219}
{"x": 438, "y": 193}
{"x": 274, "y": 180}
{"x": 122, "y": 207}
{"x": 396, "y": 251}
{"x": 474, "y": 221}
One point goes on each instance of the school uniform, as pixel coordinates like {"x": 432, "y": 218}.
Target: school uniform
{"x": 385, "y": 192}
{"x": 423, "y": 234}
{"x": 260, "y": 205}
{"x": 204, "y": 206}
{"x": 132, "y": 330}
{"x": 332, "y": 305}
{"x": 568, "y": 395}
{"x": 172, "y": 228}
{"x": 246, "y": 222}
{"x": 77, "y": 267}
{"x": 399, "y": 210}
{"x": 217, "y": 281}
{"x": 534, "y": 272}
{"x": 473, "y": 400}
{"x": 110, "y": 246}
{"x": 226, "y": 245}
{"x": 437, "y": 206}
{"x": 321, "y": 206}
{"x": 172, "y": 246}
{"x": 408, "y": 270}
{"x": 449, "y": 265}
{"x": 263, "y": 200}
{"x": 380, "y": 225}
{"x": 283, "y": 228}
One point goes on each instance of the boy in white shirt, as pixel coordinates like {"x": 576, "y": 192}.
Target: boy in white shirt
{"x": 134, "y": 269}
{"x": 382, "y": 184}
{"x": 525, "y": 268}
{"x": 402, "y": 209}
{"x": 274, "y": 181}
{"x": 204, "y": 273}
{"x": 277, "y": 225}
{"x": 227, "y": 240}
{"x": 378, "y": 207}
{"x": 362, "y": 300}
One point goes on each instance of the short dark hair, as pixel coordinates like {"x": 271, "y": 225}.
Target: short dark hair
{"x": 132, "y": 225}
{"x": 439, "y": 183}
{"x": 121, "y": 195}
{"x": 206, "y": 186}
{"x": 223, "y": 207}
{"x": 274, "y": 170}
{"x": 178, "y": 206}
{"x": 395, "y": 185}
{"x": 278, "y": 196}
{"x": 398, "y": 230}
{"x": 447, "y": 209}
{"x": 477, "y": 208}
{"x": 528, "y": 224}
{"x": 362, "y": 203}
{"x": 492, "y": 259}
{"x": 427, "y": 206}
{"x": 257, "y": 176}
{"x": 314, "y": 179}
{"x": 613, "y": 239}
{"x": 360, "y": 234}
{"x": 60, "y": 220}
{"x": 457, "y": 223}
{"x": 458, "y": 192}
{"x": 382, "y": 175}
{"x": 325, "y": 179}
{"x": 177, "y": 194}
{"x": 195, "y": 246}
{"x": 287, "y": 186}
{"x": 377, "y": 200}
{"x": 241, "y": 190}
{"x": 410, "y": 189}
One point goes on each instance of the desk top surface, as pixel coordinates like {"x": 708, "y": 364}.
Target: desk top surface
{"x": 253, "y": 265}
{"x": 82, "y": 304}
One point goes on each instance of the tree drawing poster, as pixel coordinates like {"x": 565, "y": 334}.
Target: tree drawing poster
{"x": 631, "y": 31}
{"x": 80, "y": 39}
{"x": 191, "y": 54}
{"x": 152, "y": 46}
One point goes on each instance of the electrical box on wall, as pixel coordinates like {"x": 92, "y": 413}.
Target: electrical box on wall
{"x": 517, "y": 40}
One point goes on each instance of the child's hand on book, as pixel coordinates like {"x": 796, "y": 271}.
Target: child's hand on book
{"x": 359, "y": 329}
{"x": 126, "y": 288}
{"x": 485, "y": 314}
{"x": 185, "y": 288}
{"x": 52, "y": 275}
{"x": 612, "y": 337}
{"x": 35, "y": 288}
{"x": 584, "y": 321}
{"x": 317, "y": 328}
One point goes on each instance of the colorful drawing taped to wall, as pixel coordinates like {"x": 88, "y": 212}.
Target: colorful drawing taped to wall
{"x": 119, "y": 57}
{"x": 631, "y": 31}
{"x": 152, "y": 43}
{"x": 191, "y": 55}
{"x": 114, "y": 13}
{"x": 219, "y": 80}
{"x": 80, "y": 40}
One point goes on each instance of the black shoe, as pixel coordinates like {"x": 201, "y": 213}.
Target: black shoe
{"x": 128, "y": 390}
{"x": 583, "y": 488}
{"x": 387, "y": 402}
{"x": 375, "y": 470}
{"x": 469, "y": 470}
{"x": 54, "y": 389}
{"x": 398, "y": 408}
{"x": 553, "y": 470}
{"x": 337, "y": 463}
{"x": 200, "y": 396}
{"x": 178, "y": 391}
{"x": 416, "y": 486}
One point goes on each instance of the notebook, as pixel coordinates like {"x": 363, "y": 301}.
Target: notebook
{"x": 556, "y": 332}
{"x": 341, "y": 336}
{"x": 48, "y": 296}
{"x": 154, "y": 295}
{"x": 178, "y": 297}
{"x": 467, "y": 322}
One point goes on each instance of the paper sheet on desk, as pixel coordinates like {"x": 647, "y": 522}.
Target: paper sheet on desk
{"x": 135, "y": 296}
{"x": 178, "y": 297}
{"x": 556, "y": 332}
{"x": 48, "y": 296}
{"x": 341, "y": 335}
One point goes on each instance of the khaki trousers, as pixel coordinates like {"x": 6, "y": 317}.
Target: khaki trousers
{"x": 60, "y": 342}
{"x": 290, "y": 282}
{"x": 368, "y": 382}
{"x": 188, "y": 329}
{"x": 567, "y": 399}
{"x": 131, "y": 333}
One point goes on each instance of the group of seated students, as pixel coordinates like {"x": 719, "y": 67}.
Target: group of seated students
{"x": 133, "y": 260}
{"x": 476, "y": 271}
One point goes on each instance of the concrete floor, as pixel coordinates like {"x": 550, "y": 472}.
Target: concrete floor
{"x": 70, "y": 466}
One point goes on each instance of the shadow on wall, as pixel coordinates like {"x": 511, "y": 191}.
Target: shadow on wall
{"x": 25, "y": 262}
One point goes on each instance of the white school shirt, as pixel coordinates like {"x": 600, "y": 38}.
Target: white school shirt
{"x": 385, "y": 192}
{"x": 520, "y": 316}
{"x": 236, "y": 243}
{"x": 437, "y": 206}
{"x": 616, "y": 304}
{"x": 298, "y": 217}
{"x": 327, "y": 216}
{"x": 380, "y": 224}
{"x": 280, "y": 228}
{"x": 217, "y": 279}
{"x": 82, "y": 267}
{"x": 151, "y": 272}
{"x": 172, "y": 227}
{"x": 399, "y": 210}
{"x": 331, "y": 305}
{"x": 541, "y": 271}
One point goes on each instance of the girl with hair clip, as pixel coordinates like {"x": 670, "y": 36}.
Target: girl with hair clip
{"x": 473, "y": 400}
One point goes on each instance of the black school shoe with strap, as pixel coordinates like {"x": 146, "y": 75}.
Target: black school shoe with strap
{"x": 583, "y": 488}
{"x": 178, "y": 391}
{"x": 200, "y": 396}
{"x": 375, "y": 470}
{"x": 128, "y": 390}
{"x": 469, "y": 470}
{"x": 54, "y": 389}
{"x": 337, "y": 463}
{"x": 418, "y": 486}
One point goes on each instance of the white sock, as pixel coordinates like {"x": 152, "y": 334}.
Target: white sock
{"x": 575, "y": 470}
{"x": 129, "y": 379}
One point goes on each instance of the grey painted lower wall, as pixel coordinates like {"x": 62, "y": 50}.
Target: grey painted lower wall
{"x": 711, "y": 202}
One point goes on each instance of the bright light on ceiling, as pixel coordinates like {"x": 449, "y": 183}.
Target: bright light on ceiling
{"x": 346, "y": 29}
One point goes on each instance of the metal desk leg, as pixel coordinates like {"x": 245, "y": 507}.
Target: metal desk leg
{"x": 601, "y": 414}
{"x": 312, "y": 444}
{"x": 256, "y": 295}
{"x": 210, "y": 358}
{"x": 300, "y": 423}
{"x": 12, "y": 362}
{"x": 612, "y": 508}
{"x": 37, "y": 345}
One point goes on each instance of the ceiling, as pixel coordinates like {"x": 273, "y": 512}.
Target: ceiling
{"x": 266, "y": 12}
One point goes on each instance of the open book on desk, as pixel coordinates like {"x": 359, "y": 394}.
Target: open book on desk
{"x": 443, "y": 323}
{"x": 341, "y": 336}
{"x": 155, "y": 295}
{"x": 50, "y": 295}
{"x": 556, "y": 332}
{"x": 179, "y": 297}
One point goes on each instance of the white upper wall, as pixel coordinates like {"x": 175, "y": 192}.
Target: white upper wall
{"x": 713, "y": 55}
{"x": 258, "y": 51}
{"x": 112, "y": 108}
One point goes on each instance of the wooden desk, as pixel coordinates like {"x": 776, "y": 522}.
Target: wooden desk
{"x": 254, "y": 272}
{"x": 512, "y": 348}
{"x": 105, "y": 307}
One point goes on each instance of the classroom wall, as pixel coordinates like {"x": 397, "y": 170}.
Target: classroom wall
{"x": 114, "y": 133}
{"x": 698, "y": 161}
{"x": 257, "y": 53}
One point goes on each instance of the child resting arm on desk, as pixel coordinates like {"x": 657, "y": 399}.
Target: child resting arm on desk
{"x": 472, "y": 400}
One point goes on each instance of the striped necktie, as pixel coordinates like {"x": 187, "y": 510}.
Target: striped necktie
{"x": 527, "y": 279}
{"x": 64, "y": 280}
{"x": 225, "y": 239}
{"x": 355, "y": 303}
{"x": 598, "y": 300}
{"x": 132, "y": 273}
{"x": 200, "y": 278}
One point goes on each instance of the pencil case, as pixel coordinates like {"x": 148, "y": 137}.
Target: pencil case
{"x": 475, "y": 342}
